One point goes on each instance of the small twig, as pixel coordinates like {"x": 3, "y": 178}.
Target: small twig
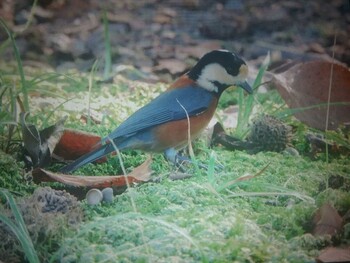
{"x": 179, "y": 176}
{"x": 329, "y": 100}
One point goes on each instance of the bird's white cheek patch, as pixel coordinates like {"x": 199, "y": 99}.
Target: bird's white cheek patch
{"x": 216, "y": 73}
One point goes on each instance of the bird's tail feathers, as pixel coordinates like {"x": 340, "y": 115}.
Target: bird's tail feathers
{"x": 88, "y": 158}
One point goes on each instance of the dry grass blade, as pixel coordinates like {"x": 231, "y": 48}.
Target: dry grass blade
{"x": 243, "y": 178}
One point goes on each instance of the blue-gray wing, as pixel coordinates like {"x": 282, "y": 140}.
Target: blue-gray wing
{"x": 168, "y": 106}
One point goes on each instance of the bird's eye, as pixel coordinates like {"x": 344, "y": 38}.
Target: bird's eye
{"x": 232, "y": 71}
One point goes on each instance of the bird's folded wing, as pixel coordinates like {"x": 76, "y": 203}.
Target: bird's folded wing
{"x": 169, "y": 106}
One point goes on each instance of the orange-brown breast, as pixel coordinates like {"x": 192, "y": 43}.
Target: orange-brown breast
{"x": 175, "y": 133}
{"x": 181, "y": 82}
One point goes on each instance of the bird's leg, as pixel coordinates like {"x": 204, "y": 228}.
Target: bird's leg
{"x": 179, "y": 160}
{"x": 171, "y": 155}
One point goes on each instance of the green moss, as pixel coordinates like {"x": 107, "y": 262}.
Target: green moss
{"x": 12, "y": 175}
{"x": 206, "y": 225}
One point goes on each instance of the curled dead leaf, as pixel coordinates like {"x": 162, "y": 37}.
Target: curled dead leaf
{"x": 40, "y": 145}
{"x": 142, "y": 173}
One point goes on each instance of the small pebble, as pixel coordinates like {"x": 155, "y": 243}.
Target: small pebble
{"x": 107, "y": 195}
{"x": 94, "y": 196}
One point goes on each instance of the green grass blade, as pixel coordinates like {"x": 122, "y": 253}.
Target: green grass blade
{"x": 246, "y": 104}
{"x": 91, "y": 84}
{"x": 256, "y": 84}
{"x": 289, "y": 112}
{"x": 240, "y": 120}
{"x": 46, "y": 120}
{"x": 108, "y": 53}
{"x": 211, "y": 168}
{"x": 15, "y": 211}
{"x": 19, "y": 64}
{"x": 31, "y": 16}
{"x": 19, "y": 229}
{"x": 25, "y": 240}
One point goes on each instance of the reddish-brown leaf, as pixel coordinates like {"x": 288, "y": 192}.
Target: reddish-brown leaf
{"x": 74, "y": 144}
{"x": 334, "y": 254}
{"x": 139, "y": 174}
{"x": 327, "y": 221}
{"x": 307, "y": 84}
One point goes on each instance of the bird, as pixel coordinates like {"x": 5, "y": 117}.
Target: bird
{"x": 182, "y": 111}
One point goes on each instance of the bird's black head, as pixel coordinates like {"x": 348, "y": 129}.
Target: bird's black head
{"x": 219, "y": 69}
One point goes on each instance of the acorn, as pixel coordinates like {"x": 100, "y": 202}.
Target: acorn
{"x": 94, "y": 196}
{"x": 107, "y": 194}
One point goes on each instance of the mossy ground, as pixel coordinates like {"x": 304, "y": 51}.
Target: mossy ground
{"x": 200, "y": 219}
{"x": 190, "y": 221}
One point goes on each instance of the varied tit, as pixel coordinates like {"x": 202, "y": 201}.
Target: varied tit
{"x": 189, "y": 103}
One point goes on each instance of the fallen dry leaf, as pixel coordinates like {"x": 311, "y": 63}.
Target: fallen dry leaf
{"x": 334, "y": 254}
{"x": 141, "y": 173}
{"x": 319, "y": 144}
{"x": 307, "y": 84}
{"x": 327, "y": 221}
{"x": 74, "y": 144}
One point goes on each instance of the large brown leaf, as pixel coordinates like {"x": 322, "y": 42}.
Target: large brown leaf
{"x": 334, "y": 254}
{"x": 139, "y": 174}
{"x": 307, "y": 84}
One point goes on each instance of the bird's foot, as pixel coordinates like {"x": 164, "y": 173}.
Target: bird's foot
{"x": 182, "y": 162}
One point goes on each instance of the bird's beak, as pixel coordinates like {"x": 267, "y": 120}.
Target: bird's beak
{"x": 244, "y": 85}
